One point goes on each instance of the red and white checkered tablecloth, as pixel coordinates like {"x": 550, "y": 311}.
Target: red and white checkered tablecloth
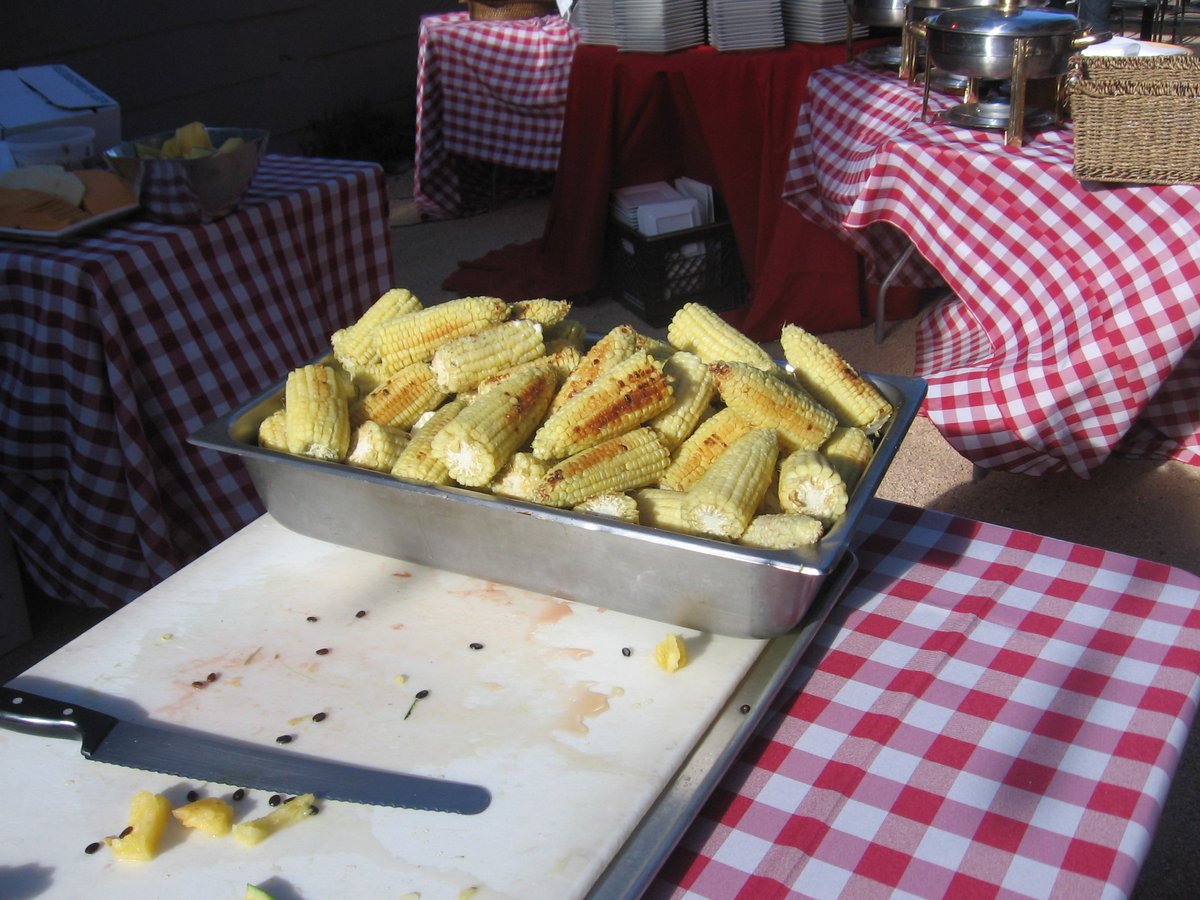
{"x": 1074, "y": 332}
{"x": 118, "y": 346}
{"x": 986, "y": 713}
{"x": 494, "y": 91}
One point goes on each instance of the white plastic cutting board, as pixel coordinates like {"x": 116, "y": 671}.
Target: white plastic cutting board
{"x": 574, "y": 739}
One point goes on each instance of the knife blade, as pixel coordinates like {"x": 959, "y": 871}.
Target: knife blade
{"x": 207, "y": 757}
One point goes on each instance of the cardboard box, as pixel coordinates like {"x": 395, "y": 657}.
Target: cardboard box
{"x": 41, "y": 96}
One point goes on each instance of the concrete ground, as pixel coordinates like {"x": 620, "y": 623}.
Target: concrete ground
{"x": 1138, "y": 507}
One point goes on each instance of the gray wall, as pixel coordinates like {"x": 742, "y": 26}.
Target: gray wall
{"x": 275, "y": 64}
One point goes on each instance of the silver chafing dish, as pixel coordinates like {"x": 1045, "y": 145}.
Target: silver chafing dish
{"x": 1009, "y": 42}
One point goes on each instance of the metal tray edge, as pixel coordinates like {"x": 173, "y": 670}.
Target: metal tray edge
{"x": 657, "y": 835}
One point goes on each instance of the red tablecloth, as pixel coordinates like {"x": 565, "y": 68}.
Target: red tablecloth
{"x": 120, "y": 345}
{"x": 494, "y": 91}
{"x": 986, "y": 713}
{"x": 725, "y": 118}
{"x": 1074, "y": 332}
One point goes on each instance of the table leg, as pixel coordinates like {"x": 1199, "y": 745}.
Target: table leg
{"x": 881, "y": 295}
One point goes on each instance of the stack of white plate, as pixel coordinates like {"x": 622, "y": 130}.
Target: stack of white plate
{"x": 596, "y": 21}
{"x": 658, "y": 207}
{"x": 746, "y": 24}
{"x": 818, "y": 21}
{"x": 659, "y": 26}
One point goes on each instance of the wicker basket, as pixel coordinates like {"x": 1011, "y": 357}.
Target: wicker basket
{"x": 1137, "y": 119}
{"x": 509, "y": 9}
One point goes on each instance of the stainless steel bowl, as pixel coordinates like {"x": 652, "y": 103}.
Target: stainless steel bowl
{"x": 190, "y": 191}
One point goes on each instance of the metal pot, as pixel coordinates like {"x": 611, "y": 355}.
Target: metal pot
{"x": 878, "y": 13}
{"x": 983, "y": 42}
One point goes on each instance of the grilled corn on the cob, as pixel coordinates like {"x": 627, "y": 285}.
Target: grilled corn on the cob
{"x": 611, "y": 505}
{"x": 833, "y": 382}
{"x": 623, "y": 463}
{"x": 661, "y": 508}
{"x": 484, "y": 435}
{"x": 401, "y": 399}
{"x": 417, "y": 461}
{"x": 724, "y": 500}
{"x": 630, "y": 393}
{"x": 461, "y": 363}
{"x": 318, "y": 413}
{"x": 766, "y": 401}
{"x": 848, "y": 450}
{"x": 519, "y": 477}
{"x": 615, "y": 347}
{"x": 693, "y": 388}
{"x": 354, "y": 346}
{"x": 809, "y": 484}
{"x": 272, "y": 431}
{"x": 782, "y": 531}
{"x": 541, "y": 310}
{"x": 711, "y": 438}
{"x": 564, "y": 360}
{"x": 414, "y": 337}
{"x": 697, "y": 328}
{"x": 376, "y": 447}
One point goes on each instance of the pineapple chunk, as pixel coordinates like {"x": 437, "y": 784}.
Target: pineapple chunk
{"x": 671, "y": 653}
{"x": 254, "y": 892}
{"x": 148, "y": 815}
{"x": 257, "y": 830}
{"x": 208, "y": 814}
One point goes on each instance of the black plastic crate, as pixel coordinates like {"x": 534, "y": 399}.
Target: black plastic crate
{"x": 654, "y": 276}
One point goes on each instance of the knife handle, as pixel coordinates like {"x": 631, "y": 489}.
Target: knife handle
{"x": 34, "y": 714}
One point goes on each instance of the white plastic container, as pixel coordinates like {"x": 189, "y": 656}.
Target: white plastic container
{"x": 63, "y": 145}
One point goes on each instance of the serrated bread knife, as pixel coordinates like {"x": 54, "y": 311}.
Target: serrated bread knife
{"x": 206, "y": 757}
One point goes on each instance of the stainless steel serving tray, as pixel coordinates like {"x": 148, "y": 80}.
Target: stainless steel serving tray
{"x": 691, "y": 582}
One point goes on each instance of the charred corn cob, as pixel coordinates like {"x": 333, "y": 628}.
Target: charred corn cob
{"x": 568, "y": 331}
{"x": 833, "y": 382}
{"x": 482, "y": 437}
{"x": 615, "y": 347}
{"x": 630, "y": 393}
{"x": 693, "y": 389}
{"x": 782, "y": 531}
{"x": 544, "y": 312}
{"x": 461, "y": 363}
{"x": 809, "y": 484}
{"x": 354, "y": 346}
{"x": 697, "y": 328}
{"x": 711, "y": 438}
{"x": 376, "y": 447}
{"x": 724, "y": 500}
{"x": 318, "y": 413}
{"x": 849, "y": 451}
{"x": 417, "y": 461}
{"x": 611, "y": 505}
{"x": 661, "y": 508}
{"x": 519, "y": 477}
{"x": 769, "y": 402}
{"x": 272, "y": 431}
{"x": 415, "y": 337}
{"x": 564, "y": 360}
{"x": 623, "y": 463}
{"x": 659, "y": 349}
{"x": 402, "y": 399}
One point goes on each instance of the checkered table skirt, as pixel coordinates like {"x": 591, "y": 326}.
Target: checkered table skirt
{"x": 491, "y": 91}
{"x": 118, "y": 346}
{"x": 1073, "y": 332}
